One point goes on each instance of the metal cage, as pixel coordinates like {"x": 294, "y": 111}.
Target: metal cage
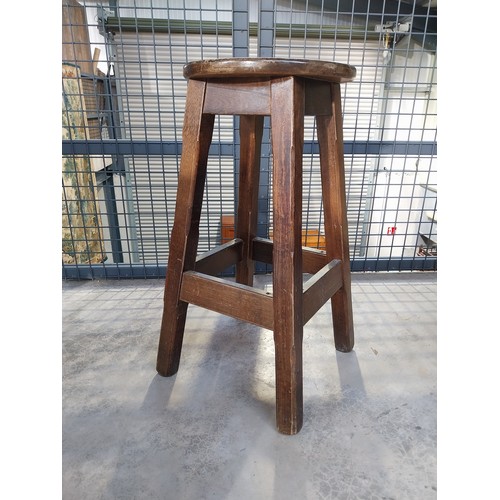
{"x": 123, "y": 102}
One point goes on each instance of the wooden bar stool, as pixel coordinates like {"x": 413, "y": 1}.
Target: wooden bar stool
{"x": 286, "y": 90}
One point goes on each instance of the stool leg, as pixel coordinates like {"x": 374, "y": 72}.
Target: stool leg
{"x": 196, "y": 137}
{"x": 287, "y": 126}
{"x": 331, "y": 146}
{"x": 246, "y": 226}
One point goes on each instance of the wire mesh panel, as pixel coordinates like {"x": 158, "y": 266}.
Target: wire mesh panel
{"x": 123, "y": 108}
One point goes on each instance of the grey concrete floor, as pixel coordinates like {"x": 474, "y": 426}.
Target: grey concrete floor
{"x": 209, "y": 432}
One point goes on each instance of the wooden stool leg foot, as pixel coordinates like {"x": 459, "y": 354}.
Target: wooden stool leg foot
{"x": 287, "y": 119}
{"x": 331, "y": 147}
{"x": 172, "y": 334}
{"x": 197, "y": 136}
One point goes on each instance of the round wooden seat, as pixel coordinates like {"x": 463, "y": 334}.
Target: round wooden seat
{"x": 267, "y": 68}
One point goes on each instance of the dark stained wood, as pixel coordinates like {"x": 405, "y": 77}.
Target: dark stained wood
{"x": 225, "y": 297}
{"x": 312, "y": 259}
{"x": 243, "y": 97}
{"x": 287, "y": 127}
{"x": 269, "y": 67}
{"x": 262, "y": 250}
{"x": 320, "y": 288}
{"x": 197, "y": 133}
{"x": 220, "y": 258}
{"x": 317, "y": 93}
{"x": 246, "y": 222}
{"x": 285, "y": 89}
{"x": 331, "y": 148}
{"x": 227, "y": 97}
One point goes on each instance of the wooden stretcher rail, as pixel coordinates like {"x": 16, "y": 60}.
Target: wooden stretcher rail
{"x": 320, "y": 288}
{"x": 219, "y": 258}
{"x": 312, "y": 259}
{"x": 229, "y": 298}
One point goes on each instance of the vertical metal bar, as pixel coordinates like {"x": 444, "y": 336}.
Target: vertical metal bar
{"x": 266, "y": 28}
{"x": 241, "y": 42}
{"x": 360, "y": 79}
{"x": 121, "y": 78}
{"x": 112, "y": 213}
{"x": 266, "y": 42}
{"x": 241, "y": 37}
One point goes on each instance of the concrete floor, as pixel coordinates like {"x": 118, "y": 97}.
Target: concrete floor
{"x": 209, "y": 432}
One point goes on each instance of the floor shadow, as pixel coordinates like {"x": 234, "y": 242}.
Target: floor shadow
{"x": 351, "y": 379}
{"x": 158, "y": 393}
